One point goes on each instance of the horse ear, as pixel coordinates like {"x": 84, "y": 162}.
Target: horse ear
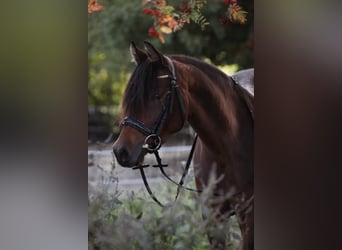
{"x": 154, "y": 54}
{"x": 138, "y": 55}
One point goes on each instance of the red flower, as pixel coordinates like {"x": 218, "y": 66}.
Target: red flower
{"x": 183, "y": 6}
{"x": 153, "y": 33}
{"x": 155, "y": 13}
{"x": 224, "y": 20}
{"x": 226, "y": 2}
{"x": 187, "y": 10}
{"x": 147, "y": 11}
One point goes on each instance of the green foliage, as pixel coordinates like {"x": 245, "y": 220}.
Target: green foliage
{"x": 109, "y": 34}
{"x": 134, "y": 221}
{"x": 199, "y": 19}
{"x": 167, "y": 10}
{"x": 196, "y": 15}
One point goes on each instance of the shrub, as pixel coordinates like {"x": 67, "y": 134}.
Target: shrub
{"x": 129, "y": 220}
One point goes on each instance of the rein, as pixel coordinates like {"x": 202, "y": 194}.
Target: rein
{"x": 161, "y": 167}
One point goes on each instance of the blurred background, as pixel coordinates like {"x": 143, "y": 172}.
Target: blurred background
{"x": 45, "y": 71}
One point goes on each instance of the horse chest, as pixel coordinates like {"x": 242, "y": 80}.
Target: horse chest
{"x": 208, "y": 167}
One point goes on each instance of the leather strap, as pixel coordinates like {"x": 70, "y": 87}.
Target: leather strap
{"x": 138, "y": 125}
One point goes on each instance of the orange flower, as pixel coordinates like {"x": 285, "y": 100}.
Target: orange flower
{"x": 170, "y": 21}
{"x": 94, "y": 6}
{"x": 160, "y": 3}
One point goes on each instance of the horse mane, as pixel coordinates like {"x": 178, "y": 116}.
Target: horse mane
{"x": 213, "y": 72}
{"x": 143, "y": 81}
{"x": 221, "y": 80}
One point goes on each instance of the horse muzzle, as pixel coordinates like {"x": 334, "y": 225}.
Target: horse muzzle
{"x": 127, "y": 158}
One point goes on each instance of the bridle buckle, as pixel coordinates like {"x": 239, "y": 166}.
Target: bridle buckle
{"x": 152, "y": 143}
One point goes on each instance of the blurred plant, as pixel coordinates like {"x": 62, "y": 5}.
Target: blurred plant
{"x": 93, "y": 5}
{"x": 169, "y": 19}
{"x": 234, "y": 13}
{"x": 134, "y": 221}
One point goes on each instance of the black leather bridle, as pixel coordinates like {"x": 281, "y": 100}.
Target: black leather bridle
{"x": 152, "y": 141}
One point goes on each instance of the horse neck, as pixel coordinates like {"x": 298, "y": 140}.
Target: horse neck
{"x": 214, "y": 109}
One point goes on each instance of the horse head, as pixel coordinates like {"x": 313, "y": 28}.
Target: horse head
{"x": 152, "y": 106}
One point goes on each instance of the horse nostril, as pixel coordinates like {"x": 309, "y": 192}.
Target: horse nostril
{"x": 121, "y": 155}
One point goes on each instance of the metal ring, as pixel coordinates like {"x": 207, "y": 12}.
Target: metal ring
{"x": 156, "y": 143}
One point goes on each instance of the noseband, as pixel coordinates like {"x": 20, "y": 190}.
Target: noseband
{"x": 152, "y": 140}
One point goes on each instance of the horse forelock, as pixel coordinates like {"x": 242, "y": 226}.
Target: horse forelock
{"x": 141, "y": 83}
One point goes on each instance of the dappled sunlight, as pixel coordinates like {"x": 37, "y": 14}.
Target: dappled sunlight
{"x": 229, "y": 69}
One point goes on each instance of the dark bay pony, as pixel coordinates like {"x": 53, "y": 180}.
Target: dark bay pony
{"x": 166, "y": 91}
